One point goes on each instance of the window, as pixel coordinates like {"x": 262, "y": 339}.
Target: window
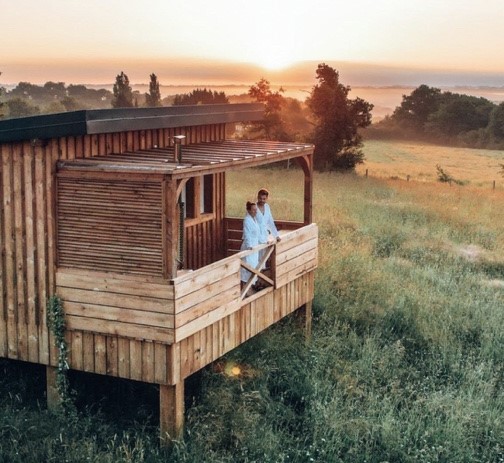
{"x": 197, "y": 196}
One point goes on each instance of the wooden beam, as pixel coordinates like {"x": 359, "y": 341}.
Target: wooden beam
{"x": 171, "y": 217}
{"x": 306, "y": 163}
{"x": 171, "y": 412}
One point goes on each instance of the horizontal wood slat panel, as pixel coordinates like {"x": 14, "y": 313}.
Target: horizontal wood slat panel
{"x": 231, "y": 325}
{"x": 114, "y": 283}
{"x": 130, "y": 330}
{"x": 110, "y": 225}
{"x": 126, "y": 301}
{"x": 131, "y": 307}
{"x": 119, "y": 314}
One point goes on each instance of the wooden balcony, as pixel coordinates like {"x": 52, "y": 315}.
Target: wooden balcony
{"x": 168, "y": 312}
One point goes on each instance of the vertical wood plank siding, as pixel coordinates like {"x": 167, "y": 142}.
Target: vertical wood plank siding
{"x": 27, "y": 246}
{"x": 205, "y": 241}
{"x": 213, "y": 341}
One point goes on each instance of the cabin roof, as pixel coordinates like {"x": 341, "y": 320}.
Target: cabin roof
{"x": 96, "y": 121}
{"x": 196, "y": 158}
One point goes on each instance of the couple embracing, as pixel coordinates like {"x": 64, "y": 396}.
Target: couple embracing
{"x": 258, "y": 228}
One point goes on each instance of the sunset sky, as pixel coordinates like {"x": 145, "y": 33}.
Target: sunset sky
{"x": 224, "y": 41}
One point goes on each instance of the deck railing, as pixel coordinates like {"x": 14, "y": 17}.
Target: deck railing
{"x": 204, "y": 296}
{"x": 169, "y": 311}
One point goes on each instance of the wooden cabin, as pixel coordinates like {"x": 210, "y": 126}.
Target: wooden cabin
{"x": 121, "y": 214}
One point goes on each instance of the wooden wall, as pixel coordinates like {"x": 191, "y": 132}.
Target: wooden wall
{"x": 105, "y": 224}
{"x": 205, "y": 238}
{"x": 157, "y": 362}
{"x": 27, "y": 230}
{"x": 210, "y": 343}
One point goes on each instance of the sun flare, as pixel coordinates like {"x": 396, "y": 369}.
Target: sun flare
{"x": 275, "y": 62}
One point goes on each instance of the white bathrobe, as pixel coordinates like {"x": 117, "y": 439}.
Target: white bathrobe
{"x": 250, "y": 237}
{"x": 266, "y": 224}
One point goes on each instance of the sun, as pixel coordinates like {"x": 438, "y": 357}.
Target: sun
{"x": 275, "y": 62}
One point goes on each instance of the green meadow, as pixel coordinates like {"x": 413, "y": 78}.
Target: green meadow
{"x": 405, "y": 362}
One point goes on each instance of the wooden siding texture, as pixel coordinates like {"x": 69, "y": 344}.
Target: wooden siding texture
{"x": 110, "y": 225}
{"x": 156, "y": 362}
{"x": 27, "y": 234}
{"x": 211, "y": 293}
{"x": 116, "y": 323}
{"x": 205, "y": 239}
{"x": 213, "y": 341}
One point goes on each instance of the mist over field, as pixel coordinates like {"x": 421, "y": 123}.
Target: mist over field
{"x": 384, "y": 99}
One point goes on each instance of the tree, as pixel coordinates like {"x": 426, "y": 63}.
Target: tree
{"x": 272, "y": 126}
{"x": 19, "y": 107}
{"x": 496, "y": 124}
{"x": 153, "y": 98}
{"x": 56, "y": 90}
{"x": 457, "y": 114}
{"x": 200, "y": 96}
{"x": 337, "y": 120}
{"x": 416, "y": 108}
{"x": 123, "y": 95}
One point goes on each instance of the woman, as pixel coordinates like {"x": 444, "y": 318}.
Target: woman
{"x": 250, "y": 239}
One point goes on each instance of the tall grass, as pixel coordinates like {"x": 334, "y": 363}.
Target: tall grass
{"x": 405, "y": 363}
{"x": 478, "y": 167}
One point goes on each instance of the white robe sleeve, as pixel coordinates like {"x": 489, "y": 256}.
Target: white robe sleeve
{"x": 270, "y": 223}
{"x": 249, "y": 232}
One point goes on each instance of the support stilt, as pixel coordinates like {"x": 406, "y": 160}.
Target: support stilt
{"x": 308, "y": 320}
{"x": 304, "y": 316}
{"x": 171, "y": 411}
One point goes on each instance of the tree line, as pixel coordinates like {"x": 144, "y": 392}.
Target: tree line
{"x": 444, "y": 117}
{"x": 328, "y": 118}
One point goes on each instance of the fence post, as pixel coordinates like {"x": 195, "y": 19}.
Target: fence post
{"x": 366, "y": 173}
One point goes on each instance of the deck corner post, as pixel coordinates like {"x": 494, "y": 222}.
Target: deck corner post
{"x": 171, "y": 412}
{"x": 53, "y": 396}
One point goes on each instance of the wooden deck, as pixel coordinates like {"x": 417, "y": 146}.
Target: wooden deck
{"x": 197, "y": 308}
{"x": 95, "y": 208}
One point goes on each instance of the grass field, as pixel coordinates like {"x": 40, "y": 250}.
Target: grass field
{"x": 405, "y": 362}
{"x": 477, "y": 167}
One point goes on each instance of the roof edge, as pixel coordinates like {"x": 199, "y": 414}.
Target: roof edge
{"x": 95, "y": 121}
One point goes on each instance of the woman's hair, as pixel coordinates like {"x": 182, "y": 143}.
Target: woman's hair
{"x": 263, "y": 191}
{"x": 249, "y": 205}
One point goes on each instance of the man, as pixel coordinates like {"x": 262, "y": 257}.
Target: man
{"x": 268, "y": 230}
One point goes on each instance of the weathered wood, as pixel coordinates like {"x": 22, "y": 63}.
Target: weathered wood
{"x": 100, "y": 354}
{"x": 136, "y": 364}
{"x": 10, "y": 256}
{"x": 119, "y": 328}
{"x": 122, "y": 301}
{"x": 119, "y": 314}
{"x": 114, "y": 283}
{"x": 171, "y": 411}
